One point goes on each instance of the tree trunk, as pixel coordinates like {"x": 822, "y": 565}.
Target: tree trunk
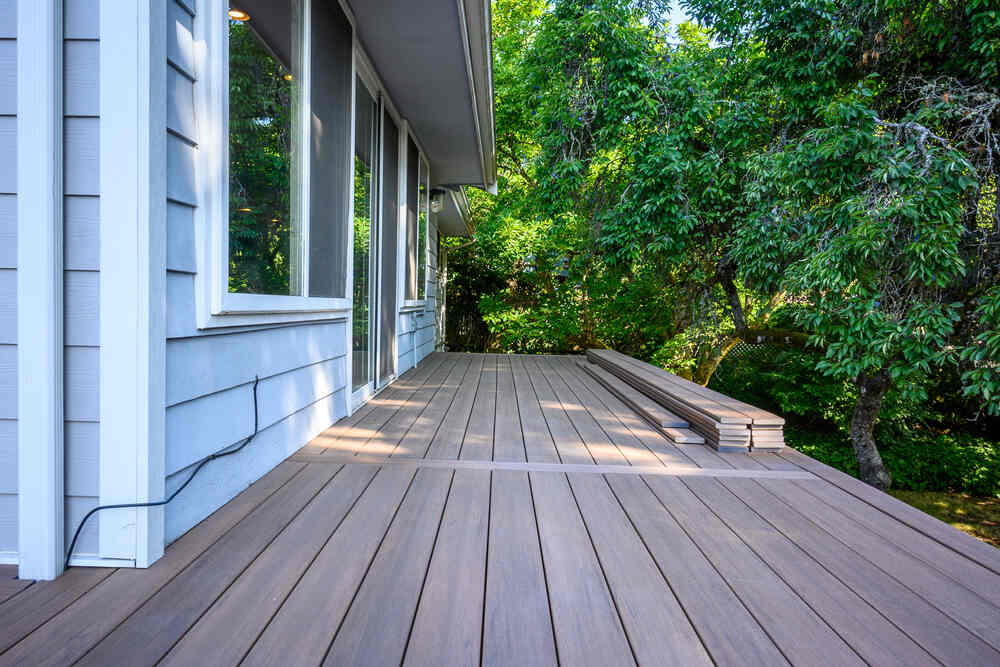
{"x": 871, "y": 391}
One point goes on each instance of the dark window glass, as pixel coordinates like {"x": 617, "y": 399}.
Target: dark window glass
{"x": 264, "y": 226}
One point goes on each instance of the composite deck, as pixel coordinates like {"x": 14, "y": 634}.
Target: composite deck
{"x": 507, "y": 510}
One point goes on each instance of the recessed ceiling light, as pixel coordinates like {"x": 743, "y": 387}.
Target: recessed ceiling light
{"x": 238, "y": 15}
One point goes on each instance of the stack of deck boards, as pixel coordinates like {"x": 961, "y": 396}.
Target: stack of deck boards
{"x": 676, "y": 428}
{"x": 725, "y": 423}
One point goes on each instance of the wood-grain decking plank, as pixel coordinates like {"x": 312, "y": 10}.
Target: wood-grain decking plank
{"x": 962, "y": 605}
{"x": 597, "y": 442}
{"x": 226, "y": 631}
{"x": 517, "y": 625}
{"x": 390, "y": 434}
{"x": 588, "y": 629}
{"x": 447, "y": 442}
{"x": 375, "y": 629}
{"x": 350, "y": 434}
{"x": 803, "y": 637}
{"x": 508, "y": 439}
{"x": 10, "y": 585}
{"x": 538, "y": 444}
{"x": 72, "y": 632}
{"x": 477, "y": 443}
{"x": 152, "y": 630}
{"x": 934, "y": 631}
{"x": 418, "y": 439}
{"x": 314, "y": 609}
{"x": 448, "y": 626}
{"x": 969, "y": 573}
{"x": 33, "y": 606}
{"x": 567, "y": 441}
{"x": 985, "y": 554}
{"x": 729, "y": 632}
{"x": 658, "y": 629}
{"x": 868, "y": 632}
{"x": 668, "y": 451}
{"x": 630, "y": 447}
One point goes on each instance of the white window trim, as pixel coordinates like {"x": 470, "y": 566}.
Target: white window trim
{"x": 216, "y": 306}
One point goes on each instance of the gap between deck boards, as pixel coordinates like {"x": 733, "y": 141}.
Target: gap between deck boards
{"x": 673, "y": 470}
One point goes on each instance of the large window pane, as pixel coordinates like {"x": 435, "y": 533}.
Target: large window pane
{"x": 330, "y": 95}
{"x": 423, "y": 202}
{"x": 412, "y": 179}
{"x": 264, "y": 209}
{"x": 390, "y": 241}
{"x": 365, "y": 150}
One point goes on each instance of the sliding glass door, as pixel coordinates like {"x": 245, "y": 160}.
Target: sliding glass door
{"x": 366, "y": 170}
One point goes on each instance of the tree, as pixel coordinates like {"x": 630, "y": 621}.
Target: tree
{"x": 877, "y": 205}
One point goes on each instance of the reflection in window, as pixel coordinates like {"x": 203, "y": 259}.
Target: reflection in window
{"x": 264, "y": 252}
{"x": 422, "y": 203}
{"x": 365, "y": 149}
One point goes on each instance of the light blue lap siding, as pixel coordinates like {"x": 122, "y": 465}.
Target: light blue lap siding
{"x": 210, "y": 372}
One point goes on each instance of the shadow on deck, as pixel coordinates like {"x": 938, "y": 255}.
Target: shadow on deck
{"x": 508, "y": 510}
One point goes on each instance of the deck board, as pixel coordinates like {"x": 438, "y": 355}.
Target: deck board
{"x": 317, "y": 605}
{"x": 517, "y": 624}
{"x": 448, "y": 625}
{"x": 374, "y": 632}
{"x": 866, "y": 630}
{"x": 509, "y": 509}
{"x": 227, "y": 631}
{"x": 587, "y": 626}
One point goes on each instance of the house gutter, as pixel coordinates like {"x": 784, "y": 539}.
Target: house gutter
{"x": 482, "y": 72}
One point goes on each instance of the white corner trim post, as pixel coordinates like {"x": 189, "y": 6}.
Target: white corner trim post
{"x": 133, "y": 277}
{"x": 40, "y": 289}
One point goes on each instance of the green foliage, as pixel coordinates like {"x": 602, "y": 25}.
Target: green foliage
{"x": 260, "y": 155}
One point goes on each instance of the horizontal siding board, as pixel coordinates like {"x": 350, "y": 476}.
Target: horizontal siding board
{"x": 181, "y": 317}
{"x": 180, "y": 42}
{"x": 8, "y": 306}
{"x": 180, "y": 105}
{"x": 180, "y": 238}
{"x": 82, "y": 19}
{"x": 8, "y": 382}
{"x": 200, "y": 366}
{"x": 8, "y": 523}
{"x": 82, "y": 366}
{"x": 81, "y": 154}
{"x": 8, "y": 19}
{"x": 220, "y": 481}
{"x": 8, "y": 456}
{"x": 181, "y": 159}
{"x": 82, "y": 305}
{"x": 83, "y": 450}
{"x": 82, "y": 223}
{"x": 8, "y": 155}
{"x": 76, "y": 508}
{"x": 81, "y": 74}
{"x": 8, "y": 231}
{"x": 8, "y": 77}
{"x": 201, "y": 427}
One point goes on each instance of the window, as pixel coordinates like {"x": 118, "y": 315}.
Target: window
{"x": 275, "y": 164}
{"x": 417, "y": 201}
{"x": 264, "y": 161}
{"x": 422, "y": 214}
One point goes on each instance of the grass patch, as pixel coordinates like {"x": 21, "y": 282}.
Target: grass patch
{"x": 977, "y": 515}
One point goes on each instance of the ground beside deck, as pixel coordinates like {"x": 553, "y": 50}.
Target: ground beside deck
{"x": 507, "y": 510}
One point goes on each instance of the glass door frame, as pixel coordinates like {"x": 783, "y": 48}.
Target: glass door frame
{"x": 364, "y": 392}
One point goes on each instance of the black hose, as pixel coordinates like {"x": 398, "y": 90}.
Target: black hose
{"x": 201, "y": 464}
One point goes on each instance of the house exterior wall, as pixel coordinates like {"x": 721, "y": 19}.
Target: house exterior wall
{"x": 81, "y": 264}
{"x": 8, "y": 281}
{"x": 209, "y": 373}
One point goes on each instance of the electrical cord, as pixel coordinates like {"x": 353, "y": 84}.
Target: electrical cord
{"x": 201, "y": 464}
